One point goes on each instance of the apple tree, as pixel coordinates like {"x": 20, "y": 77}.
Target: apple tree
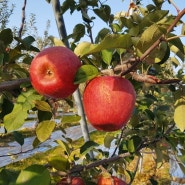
{"x": 139, "y": 45}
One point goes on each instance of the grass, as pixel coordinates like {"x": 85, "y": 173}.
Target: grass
{"x": 149, "y": 169}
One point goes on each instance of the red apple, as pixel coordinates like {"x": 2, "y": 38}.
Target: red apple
{"x": 73, "y": 181}
{"x": 108, "y": 180}
{"x": 53, "y": 70}
{"x": 109, "y": 102}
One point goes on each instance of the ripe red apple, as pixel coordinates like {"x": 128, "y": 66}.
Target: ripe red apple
{"x": 73, "y": 181}
{"x": 109, "y": 102}
{"x": 110, "y": 180}
{"x": 53, "y": 70}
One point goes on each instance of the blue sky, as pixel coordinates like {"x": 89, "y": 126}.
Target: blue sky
{"x": 43, "y": 12}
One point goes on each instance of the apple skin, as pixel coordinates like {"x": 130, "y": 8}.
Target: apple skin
{"x": 110, "y": 181}
{"x": 109, "y": 102}
{"x": 53, "y": 70}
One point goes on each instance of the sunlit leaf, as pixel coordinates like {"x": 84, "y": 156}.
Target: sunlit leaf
{"x": 70, "y": 119}
{"x": 178, "y": 52}
{"x": 59, "y": 163}
{"x": 44, "y": 130}
{"x": 32, "y": 175}
{"x": 65, "y": 146}
{"x": 134, "y": 143}
{"x": 149, "y": 36}
{"x": 179, "y": 116}
{"x": 107, "y": 56}
{"x": 85, "y": 73}
{"x": 175, "y": 61}
{"x": 56, "y": 41}
{"x": 42, "y": 105}
{"x": 16, "y": 118}
{"x": 108, "y": 140}
{"x": 109, "y": 42}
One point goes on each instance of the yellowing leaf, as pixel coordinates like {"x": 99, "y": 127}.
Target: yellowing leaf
{"x": 44, "y": 130}
{"x": 56, "y": 41}
{"x": 179, "y": 117}
{"x": 42, "y": 105}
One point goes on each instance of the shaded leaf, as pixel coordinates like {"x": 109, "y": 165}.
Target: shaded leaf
{"x": 32, "y": 175}
{"x": 78, "y": 32}
{"x": 104, "y": 12}
{"x": 87, "y": 147}
{"x": 109, "y": 42}
{"x": 18, "y": 137}
{"x": 85, "y": 73}
{"x": 44, "y": 130}
{"x": 6, "y": 36}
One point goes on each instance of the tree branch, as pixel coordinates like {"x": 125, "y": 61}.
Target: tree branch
{"x": 78, "y": 168}
{"x": 15, "y": 84}
{"x": 23, "y": 19}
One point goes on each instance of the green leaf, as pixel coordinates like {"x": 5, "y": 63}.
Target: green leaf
{"x": 8, "y": 177}
{"x": 133, "y": 143}
{"x": 175, "y": 61}
{"x": 110, "y": 41}
{"x": 6, "y": 36}
{"x": 28, "y": 98}
{"x": 153, "y": 17}
{"x": 104, "y": 12}
{"x": 18, "y": 137}
{"x": 87, "y": 147}
{"x": 78, "y": 32}
{"x": 176, "y": 42}
{"x": 44, "y": 130}
{"x": 159, "y": 157}
{"x": 108, "y": 140}
{"x": 179, "y": 116}
{"x": 149, "y": 36}
{"x": 44, "y": 115}
{"x": 70, "y": 119}
{"x": 107, "y": 56}
{"x": 43, "y": 106}
{"x": 34, "y": 175}
{"x": 56, "y": 41}
{"x": 163, "y": 55}
{"x": 176, "y": 50}
{"x": 85, "y": 73}
{"x": 59, "y": 163}
{"x": 65, "y": 146}
{"x": 16, "y": 118}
